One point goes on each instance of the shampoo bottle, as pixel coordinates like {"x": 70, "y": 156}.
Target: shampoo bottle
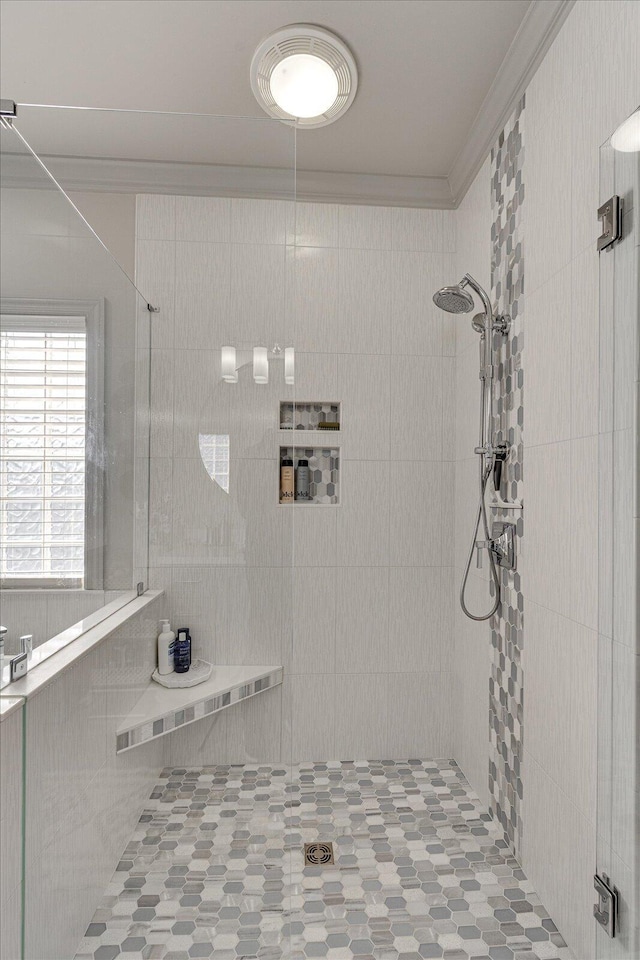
{"x": 166, "y": 647}
{"x": 286, "y": 481}
{"x": 183, "y": 651}
{"x": 302, "y": 480}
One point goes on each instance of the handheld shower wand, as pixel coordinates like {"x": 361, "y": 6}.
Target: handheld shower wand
{"x": 457, "y": 300}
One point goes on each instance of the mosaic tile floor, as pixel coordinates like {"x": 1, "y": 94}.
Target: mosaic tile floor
{"x": 215, "y": 869}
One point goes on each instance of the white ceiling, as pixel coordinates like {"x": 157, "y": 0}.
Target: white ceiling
{"x": 425, "y": 66}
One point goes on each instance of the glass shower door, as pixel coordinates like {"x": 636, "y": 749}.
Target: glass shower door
{"x": 618, "y": 810}
{"x": 13, "y": 720}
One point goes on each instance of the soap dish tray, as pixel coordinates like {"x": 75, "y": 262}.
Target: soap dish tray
{"x": 198, "y": 672}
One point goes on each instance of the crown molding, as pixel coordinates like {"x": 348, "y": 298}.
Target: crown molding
{"x": 376, "y": 190}
{"x": 535, "y": 35}
{"x": 139, "y": 176}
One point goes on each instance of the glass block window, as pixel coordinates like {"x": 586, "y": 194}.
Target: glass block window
{"x": 43, "y": 412}
{"x": 214, "y": 450}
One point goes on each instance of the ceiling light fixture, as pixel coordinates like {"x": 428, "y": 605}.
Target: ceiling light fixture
{"x": 626, "y": 138}
{"x": 304, "y": 73}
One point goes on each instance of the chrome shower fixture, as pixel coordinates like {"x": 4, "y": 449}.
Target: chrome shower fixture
{"x": 454, "y": 299}
{"x": 492, "y": 455}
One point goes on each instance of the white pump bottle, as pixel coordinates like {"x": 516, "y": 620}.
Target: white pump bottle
{"x": 166, "y": 642}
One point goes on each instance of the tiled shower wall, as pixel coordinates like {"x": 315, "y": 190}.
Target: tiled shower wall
{"x": 355, "y": 600}
{"x": 506, "y": 707}
{"x": 571, "y": 108}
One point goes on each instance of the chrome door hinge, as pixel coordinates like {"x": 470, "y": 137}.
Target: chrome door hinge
{"x": 609, "y": 213}
{"x": 606, "y": 909}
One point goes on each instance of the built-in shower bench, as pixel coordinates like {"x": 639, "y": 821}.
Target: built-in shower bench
{"x": 161, "y": 710}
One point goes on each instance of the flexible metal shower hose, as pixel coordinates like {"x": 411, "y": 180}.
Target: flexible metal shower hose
{"x": 483, "y": 479}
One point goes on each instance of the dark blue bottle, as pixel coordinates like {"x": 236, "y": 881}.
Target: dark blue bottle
{"x": 182, "y": 651}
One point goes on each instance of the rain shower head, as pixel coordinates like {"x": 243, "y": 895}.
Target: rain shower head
{"x": 453, "y": 300}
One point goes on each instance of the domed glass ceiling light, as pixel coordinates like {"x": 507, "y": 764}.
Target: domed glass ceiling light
{"x": 304, "y": 73}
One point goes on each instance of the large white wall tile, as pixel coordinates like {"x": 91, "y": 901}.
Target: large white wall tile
{"x": 317, "y": 224}
{"x": 203, "y": 219}
{"x": 416, "y": 408}
{"x": 257, "y": 314}
{"x": 362, "y": 620}
{"x": 256, "y": 733}
{"x": 363, "y": 517}
{"x": 418, "y": 724}
{"x": 11, "y": 929}
{"x": 365, "y": 301}
{"x": 155, "y": 217}
{"x": 418, "y": 229}
{"x": 417, "y": 637}
{"x": 627, "y": 337}
{"x": 558, "y": 856}
{"x": 415, "y": 531}
{"x": 309, "y": 717}
{"x": 161, "y": 397}
{"x": 156, "y": 279}
{"x": 316, "y": 376}
{"x": 235, "y": 614}
{"x": 625, "y": 774}
{"x": 583, "y": 545}
{"x": 314, "y": 536}
{"x": 259, "y": 221}
{"x": 364, "y": 384}
{"x": 206, "y": 527}
{"x": 548, "y": 210}
{"x": 417, "y": 324}
{"x": 314, "y": 302}
{"x": 365, "y": 228}
{"x": 584, "y": 355}
{"x": 60, "y": 768}
{"x": 545, "y": 570}
{"x": 361, "y": 729}
{"x": 203, "y": 303}
{"x": 548, "y": 361}
{"x": 562, "y": 705}
{"x": 312, "y": 604}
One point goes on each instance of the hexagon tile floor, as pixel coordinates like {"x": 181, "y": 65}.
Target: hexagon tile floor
{"x": 215, "y": 869}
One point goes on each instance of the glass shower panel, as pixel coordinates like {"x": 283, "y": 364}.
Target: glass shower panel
{"x": 12, "y": 824}
{"x": 618, "y": 827}
{"x": 74, "y": 398}
{"x": 212, "y": 220}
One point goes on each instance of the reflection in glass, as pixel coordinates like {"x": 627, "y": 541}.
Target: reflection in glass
{"x": 214, "y": 450}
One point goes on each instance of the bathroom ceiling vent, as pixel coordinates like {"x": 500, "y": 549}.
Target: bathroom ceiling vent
{"x": 304, "y": 73}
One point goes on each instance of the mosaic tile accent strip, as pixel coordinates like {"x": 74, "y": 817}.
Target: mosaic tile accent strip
{"x": 324, "y": 471}
{"x": 308, "y": 416}
{"x": 216, "y": 869}
{"x": 159, "y": 727}
{"x": 507, "y": 290}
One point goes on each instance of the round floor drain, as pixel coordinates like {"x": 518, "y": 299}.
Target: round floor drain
{"x": 317, "y": 854}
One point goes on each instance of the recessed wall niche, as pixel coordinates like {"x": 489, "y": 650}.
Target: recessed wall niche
{"x": 309, "y": 415}
{"x": 324, "y": 474}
